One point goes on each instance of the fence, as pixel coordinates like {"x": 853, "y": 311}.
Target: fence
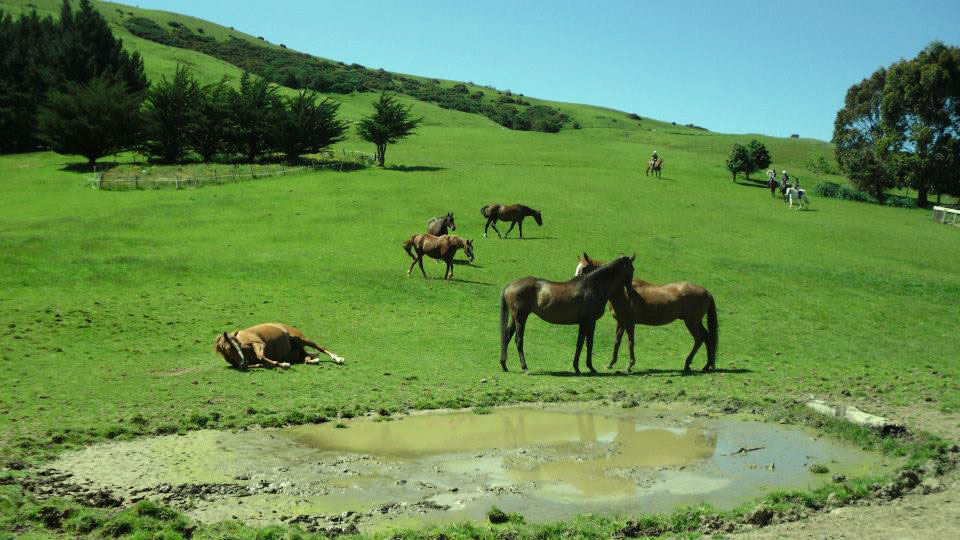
{"x": 145, "y": 179}
{"x": 946, "y": 215}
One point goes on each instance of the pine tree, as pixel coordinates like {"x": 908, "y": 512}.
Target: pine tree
{"x": 389, "y": 123}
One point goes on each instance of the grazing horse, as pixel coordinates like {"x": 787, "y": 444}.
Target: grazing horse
{"x": 268, "y": 345}
{"x": 442, "y": 225}
{"x": 579, "y": 301}
{"x": 437, "y": 247}
{"x": 796, "y": 194}
{"x": 514, "y": 213}
{"x": 655, "y": 305}
{"x": 655, "y": 166}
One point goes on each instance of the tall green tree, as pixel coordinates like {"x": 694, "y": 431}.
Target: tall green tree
{"x": 306, "y": 124}
{"x": 170, "y": 116}
{"x": 253, "y": 109}
{"x": 390, "y": 123}
{"x": 93, "y": 119}
{"x": 738, "y": 161}
{"x": 759, "y": 157}
{"x": 900, "y": 127}
{"x": 212, "y": 127}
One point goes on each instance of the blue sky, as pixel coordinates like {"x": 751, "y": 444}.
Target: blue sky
{"x": 771, "y": 67}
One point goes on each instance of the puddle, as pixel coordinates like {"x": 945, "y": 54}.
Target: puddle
{"x": 546, "y": 463}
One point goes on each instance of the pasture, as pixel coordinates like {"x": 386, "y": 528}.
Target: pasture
{"x": 111, "y": 301}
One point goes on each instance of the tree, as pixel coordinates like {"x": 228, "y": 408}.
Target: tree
{"x": 738, "y": 161}
{"x": 253, "y": 109}
{"x": 818, "y": 165}
{"x": 210, "y": 131}
{"x": 93, "y": 120}
{"x": 759, "y": 157}
{"x": 900, "y": 126}
{"x": 307, "y": 125}
{"x": 171, "y": 115}
{"x": 389, "y": 123}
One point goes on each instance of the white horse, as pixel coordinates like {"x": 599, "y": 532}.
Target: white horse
{"x": 799, "y": 195}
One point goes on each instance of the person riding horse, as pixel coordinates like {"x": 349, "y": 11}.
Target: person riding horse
{"x": 772, "y": 182}
{"x": 654, "y": 158}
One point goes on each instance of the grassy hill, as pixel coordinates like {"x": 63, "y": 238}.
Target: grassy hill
{"x": 111, "y": 301}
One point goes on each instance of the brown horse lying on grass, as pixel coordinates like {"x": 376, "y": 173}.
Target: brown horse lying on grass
{"x": 655, "y": 305}
{"x": 514, "y": 213}
{"x": 268, "y": 345}
{"x": 579, "y": 301}
{"x": 442, "y": 225}
{"x": 437, "y": 247}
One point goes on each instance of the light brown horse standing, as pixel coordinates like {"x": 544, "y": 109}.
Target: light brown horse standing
{"x": 437, "y": 247}
{"x": 655, "y": 166}
{"x": 268, "y": 345}
{"x": 579, "y": 301}
{"x": 442, "y": 225}
{"x": 514, "y": 213}
{"x": 655, "y": 305}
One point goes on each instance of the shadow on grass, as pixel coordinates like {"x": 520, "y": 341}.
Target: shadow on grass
{"x": 639, "y": 373}
{"x": 84, "y": 167}
{"x": 753, "y": 183}
{"x": 528, "y": 238}
{"x": 414, "y": 168}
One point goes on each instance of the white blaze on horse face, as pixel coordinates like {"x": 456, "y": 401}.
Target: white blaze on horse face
{"x": 337, "y": 359}
{"x": 579, "y": 269}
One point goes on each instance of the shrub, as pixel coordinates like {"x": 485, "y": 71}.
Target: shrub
{"x": 633, "y": 116}
{"x": 461, "y": 89}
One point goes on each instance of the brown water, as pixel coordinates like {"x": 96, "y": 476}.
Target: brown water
{"x": 547, "y": 463}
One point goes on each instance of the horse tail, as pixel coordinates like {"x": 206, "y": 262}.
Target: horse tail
{"x": 409, "y": 244}
{"x": 713, "y": 336}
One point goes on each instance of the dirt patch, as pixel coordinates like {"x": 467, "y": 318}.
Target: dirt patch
{"x": 547, "y": 463}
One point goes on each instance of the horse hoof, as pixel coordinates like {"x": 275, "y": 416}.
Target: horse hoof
{"x": 284, "y": 365}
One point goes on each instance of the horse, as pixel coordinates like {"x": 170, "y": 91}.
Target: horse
{"x": 796, "y": 194}
{"x": 268, "y": 345}
{"x": 437, "y": 247}
{"x": 655, "y": 166}
{"x": 772, "y": 184}
{"x": 783, "y": 191}
{"x": 655, "y": 305}
{"x": 442, "y": 225}
{"x": 514, "y": 213}
{"x": 578, "y": 301}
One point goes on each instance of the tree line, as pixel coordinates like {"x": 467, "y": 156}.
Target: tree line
{"x": 900, "y": 127}
{"x": 79, "y": 93}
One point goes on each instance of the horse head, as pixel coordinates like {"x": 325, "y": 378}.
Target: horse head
{"x": 468, "y": 249}
{"x": 585, "y": 265}
{"x": 229, "y": 348}
{"x": 448, "y": 220}
{"x": 538, "y": 218}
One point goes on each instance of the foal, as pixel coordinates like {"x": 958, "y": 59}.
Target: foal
{"x": 437, "y": 247}
{"x": 655, "y": 305}
{"x": 514, "y": 213}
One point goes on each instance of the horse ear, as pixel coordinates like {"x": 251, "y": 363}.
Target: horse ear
{"x": 633, "y": 258}
{"x": 585, "y": 256}
{"x": 226, "y": 337}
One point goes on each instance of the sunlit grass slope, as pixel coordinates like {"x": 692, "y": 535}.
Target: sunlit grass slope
{"x": 110, "y": 301}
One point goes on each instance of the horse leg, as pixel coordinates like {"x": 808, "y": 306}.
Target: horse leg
{"x": 521, "y": 319}
{"x": 258, "y": 349}
{"x": 521, "y": 227}
{"x": 633, "y": 358}
{"x": 590, "y": 331}
{"x": 420, "y": 262}
{"x": 512, "y": 225}
{"x": 449, "y": 273}
{"x": 511, "y": 328}
{"x": 336, "y": 358}
{"x": 616, "y": 345}
{"x": 581, "y": 334}
{"x": 699, "y": 334}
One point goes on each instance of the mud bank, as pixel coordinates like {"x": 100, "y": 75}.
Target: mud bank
{"x": 546, "y": 463}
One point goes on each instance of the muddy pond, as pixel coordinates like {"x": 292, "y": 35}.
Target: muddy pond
{"x": 546, "y": 463}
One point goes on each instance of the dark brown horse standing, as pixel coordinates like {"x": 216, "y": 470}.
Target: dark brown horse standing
{"x": 442, "y": 225}
{"x": 655, "y": 166}
{"x": 655, "y": 305}
{"x": 437, "y": 247}
{"x": 579, "y": 301}
{"x": 514, "y": 213}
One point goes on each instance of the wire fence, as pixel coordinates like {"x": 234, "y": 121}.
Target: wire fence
{"x": 189, "y": 178}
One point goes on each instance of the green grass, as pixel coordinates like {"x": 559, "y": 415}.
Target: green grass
{"x": 110, "y": 301}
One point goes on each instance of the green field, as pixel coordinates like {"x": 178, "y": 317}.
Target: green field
{"x": 110, "y": 301}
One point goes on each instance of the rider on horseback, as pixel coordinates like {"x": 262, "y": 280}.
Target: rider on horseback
{"x": 654, "y": 158}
